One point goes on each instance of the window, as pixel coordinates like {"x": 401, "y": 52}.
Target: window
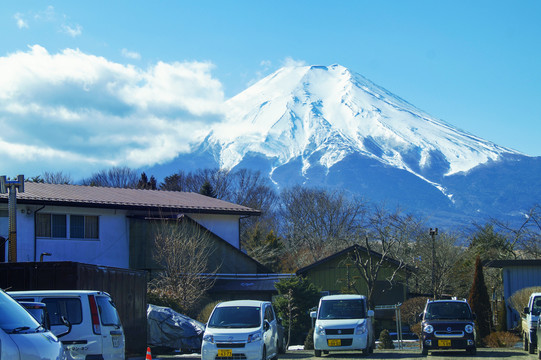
{"x": 84, "y": 227}
{"x": 56, "y": 226}
{"x": 107, "y": 310}
{"x": 70, "y": 308}
{"x": 51, "y": 225}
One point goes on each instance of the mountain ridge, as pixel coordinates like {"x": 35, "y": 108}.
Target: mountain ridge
{"x": 302, "y": 125}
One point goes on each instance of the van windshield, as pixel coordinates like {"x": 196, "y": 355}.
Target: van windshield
{"x": 448, "y": 310}
{"x": 13, "y": 317}
{"x": 342, "y": 309}
{"x": 235, "y": 317}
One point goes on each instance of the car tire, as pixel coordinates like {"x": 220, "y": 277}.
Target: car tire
{"x": 424, "y": 352}
{"x": 525, "y": 341}
{"x": 472, "y": 351}
{"x": 264, "y": 355}
{"x": 317, "y": 353}
{"x": 531, "y": 348}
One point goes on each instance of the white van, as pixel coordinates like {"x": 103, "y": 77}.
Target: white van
{"x": 22, "y": 337}
{"x": 242, "y": 329}
{"x": 96, "y": 332}
{"x": 343, "y": 322}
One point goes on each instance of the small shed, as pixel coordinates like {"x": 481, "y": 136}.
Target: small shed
{"x": 516, "y": 275}
{"x": 337, "y": 274}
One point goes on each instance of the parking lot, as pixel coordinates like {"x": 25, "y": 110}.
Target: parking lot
{"x": 511, "y": 354}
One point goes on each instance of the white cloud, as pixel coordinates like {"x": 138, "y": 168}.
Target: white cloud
{"x": 290, "y": 62}
{"x": 78, "y": 113}
{"x": 72, "y": 30}
{"x": 22, "y": 23}
{"x": 131, "y": 54}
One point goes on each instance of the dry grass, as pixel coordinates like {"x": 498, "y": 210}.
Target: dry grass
{"x": 501, "y": 339}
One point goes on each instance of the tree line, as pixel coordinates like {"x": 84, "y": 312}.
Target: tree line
{"x": 301, "y": 225}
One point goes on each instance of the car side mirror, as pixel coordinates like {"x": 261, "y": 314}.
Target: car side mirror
{"x": 266, "y": 325}
{"x": 526, "y": 310}
{"x": 474, "y": 316}
{"x": 313, "y": 314}
{"x": 65, "y": 322}
{"x": 420, "y": 316}
{"x": 370, "y": 313}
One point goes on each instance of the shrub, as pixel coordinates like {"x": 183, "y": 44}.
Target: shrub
{"x": 501, "y": 339}
{"x": 204, "y": 314}
{"x": 519, "y": 299}
{"x": 309, "y": 341}
{"x": 385, "y": 341}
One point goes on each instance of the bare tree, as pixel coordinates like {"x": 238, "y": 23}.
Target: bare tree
{"x": 447, "y": 257}
{"x": 315, "y": 222}
{"x": 183, "y": 249}
{"x": 120, "y": 177}
{"x": 56, "y": 178}
{"x": 526, "y": 236}
{"x": 382, "y": 241}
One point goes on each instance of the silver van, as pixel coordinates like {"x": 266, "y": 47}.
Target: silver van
{"x": 96, "y": 331}
{"x": 22, "y": 337}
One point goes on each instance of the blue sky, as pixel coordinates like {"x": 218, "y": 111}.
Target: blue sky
{"x": 80, "y": 82}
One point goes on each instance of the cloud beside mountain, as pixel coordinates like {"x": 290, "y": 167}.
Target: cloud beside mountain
{"x": 82, "y": 112}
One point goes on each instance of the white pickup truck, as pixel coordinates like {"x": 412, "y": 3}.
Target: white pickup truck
{"x": 529, "y": 322}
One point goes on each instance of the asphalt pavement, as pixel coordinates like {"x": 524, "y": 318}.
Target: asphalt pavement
{"x": 485, "y": 353}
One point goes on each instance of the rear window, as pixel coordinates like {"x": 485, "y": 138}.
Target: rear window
{"x": 70, "y": 308}
{"x": 107, "y": 310}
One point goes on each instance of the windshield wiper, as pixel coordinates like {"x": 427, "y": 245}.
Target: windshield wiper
{"x": 19, "y": 329}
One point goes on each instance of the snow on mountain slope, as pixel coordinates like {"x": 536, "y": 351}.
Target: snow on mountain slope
{"x": 299, "y": 111}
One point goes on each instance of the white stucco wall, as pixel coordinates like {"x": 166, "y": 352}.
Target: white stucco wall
{"x": 111, "y": 249}
{"x": 225, "y": 226}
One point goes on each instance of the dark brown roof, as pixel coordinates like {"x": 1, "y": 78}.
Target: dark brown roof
{"x": 133, "y": 199}
{"x": 338, "y": 254}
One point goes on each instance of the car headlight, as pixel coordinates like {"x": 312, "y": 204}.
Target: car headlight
{"x": 360, "y": 329}
{"x": 429, "y": 329}
{"x": 254, "y": 337}
{"x": 208, "y": 338}
{"x": 468, "y": 328}
{"x": 320, "y": 330}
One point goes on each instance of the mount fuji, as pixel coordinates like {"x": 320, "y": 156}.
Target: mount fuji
{"x": 326, "y": 126}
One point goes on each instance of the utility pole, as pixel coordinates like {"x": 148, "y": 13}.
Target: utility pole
{"x": 11, "y": 187}
{"x": 433, "y": 233}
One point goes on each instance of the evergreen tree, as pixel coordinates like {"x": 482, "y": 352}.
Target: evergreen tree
{"x": 207, "y": 190}
{"x": 480, "y": 301}
{"x": 145, "y": 183}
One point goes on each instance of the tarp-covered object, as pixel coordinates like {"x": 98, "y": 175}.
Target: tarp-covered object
{"x": 170, "y": 330}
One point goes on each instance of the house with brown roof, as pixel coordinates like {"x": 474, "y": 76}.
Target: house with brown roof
{"x": 109, "y": 226}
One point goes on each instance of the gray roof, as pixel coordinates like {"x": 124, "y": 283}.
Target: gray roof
{"x": 132, "y": 199}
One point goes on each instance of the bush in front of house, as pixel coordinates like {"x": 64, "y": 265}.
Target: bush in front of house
{"x": 385, "y": 340}
{"x": 501, "y": 339}
{"x": 309, "y": 341}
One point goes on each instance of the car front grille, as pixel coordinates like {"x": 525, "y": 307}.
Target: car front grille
{"x": 339, "y": 331}
{"x": 233, "y": 357}
{"x": 230, "y": 345}
{"x": 449, "y": 334}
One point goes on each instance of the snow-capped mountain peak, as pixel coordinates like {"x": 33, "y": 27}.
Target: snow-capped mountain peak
{"x": 321, "y": 114}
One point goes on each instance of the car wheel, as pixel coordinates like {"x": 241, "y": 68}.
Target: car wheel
{"x": 525, "y": 340}
{"x": 531, "y": 348}
{"x": 424, "y": 351}
{"x": 317, "y": 353}
{"x": 264, "y": 356}
{"x": 472, "y": 351}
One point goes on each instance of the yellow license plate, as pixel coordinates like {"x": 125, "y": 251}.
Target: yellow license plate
{"x": 334, "y": 342}
{"x": 444, "y": 343}
{"x": 225, "y": 352}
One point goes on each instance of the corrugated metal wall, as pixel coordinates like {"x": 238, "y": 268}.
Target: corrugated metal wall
{"x": 127, "y": 288}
